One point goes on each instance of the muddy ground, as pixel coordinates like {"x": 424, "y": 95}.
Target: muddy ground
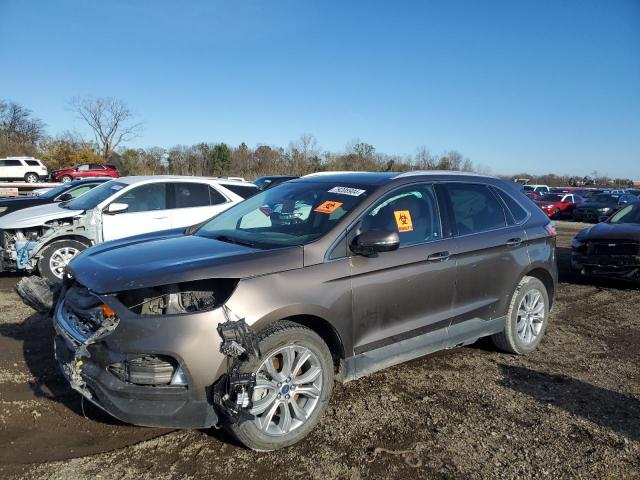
{"x": 569, "y": 410}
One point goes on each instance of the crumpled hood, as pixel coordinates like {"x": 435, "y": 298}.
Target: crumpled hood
{"x": 35, "y": 216}
{"x": 608, "y": 231}
{"x": 168, "y": 257}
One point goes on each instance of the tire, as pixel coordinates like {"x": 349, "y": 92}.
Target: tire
{"x": 66, "y": 179}
{"x": 556, "y": 214}
{"x": 272, "y": 401}
{"x": 31, "y": 177}
{"x": 518, "y": 339}
{"x": 54, "y": 254}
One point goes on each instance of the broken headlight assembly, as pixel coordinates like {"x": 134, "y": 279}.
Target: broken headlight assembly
{"x": 179, "y": 298}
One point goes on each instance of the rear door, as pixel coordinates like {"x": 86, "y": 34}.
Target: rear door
{"x": 147, "y": 212}
{"x": 406, "y": 294}
{"x": 490, "y": 252}
{"x": 194, "y": 202}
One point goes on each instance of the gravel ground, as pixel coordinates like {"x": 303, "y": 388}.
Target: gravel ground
{"x": 569, "y": 410}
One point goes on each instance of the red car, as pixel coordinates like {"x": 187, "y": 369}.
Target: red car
{"x": 556, "y": 205}
{"x": 86, "y": 170}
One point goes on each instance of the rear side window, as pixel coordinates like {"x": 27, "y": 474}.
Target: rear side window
{"x": 216, "y": 197}
{"x": 475, "y": 208}
{"x": 242, "y": 190}
{"x": 190, "y": 195}
{"x": 518, "y": 213}
{"x": 95, "y": 166}
{"x": 33, "y": 163}
{"x": 10, "y": 163}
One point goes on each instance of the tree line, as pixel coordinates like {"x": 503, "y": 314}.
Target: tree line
{"x": 113, "y": 124}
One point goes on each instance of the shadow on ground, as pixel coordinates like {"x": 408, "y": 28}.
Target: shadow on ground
{"x": 616, "y": 411}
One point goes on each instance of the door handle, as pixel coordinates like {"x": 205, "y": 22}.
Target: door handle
{"x": 438, "y": 257}
{"x": 160, "y": 218}
{"x": 514, "y": 242}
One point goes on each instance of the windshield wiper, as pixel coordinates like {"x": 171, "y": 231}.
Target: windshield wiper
{"x": 237, "y": 241}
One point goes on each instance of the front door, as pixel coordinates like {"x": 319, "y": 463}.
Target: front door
{"x": 407, "y": 294}
{"x": 147, "y": 212}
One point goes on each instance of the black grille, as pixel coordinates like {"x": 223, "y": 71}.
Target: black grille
{"x": 613, "y": 247}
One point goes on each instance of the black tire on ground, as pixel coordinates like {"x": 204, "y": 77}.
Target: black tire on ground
{"x": 31, "y": 177}
{"x": 509, "y": 340}
{"x": 272, "y": 339}
{"x": 44, "y": 263}
{"x": 66, "y": 178}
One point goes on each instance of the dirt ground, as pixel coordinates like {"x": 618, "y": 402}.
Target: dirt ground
{"x": 569, "y": 410}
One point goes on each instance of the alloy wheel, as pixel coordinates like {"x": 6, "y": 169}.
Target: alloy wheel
{"x": 288, "y": 389}
{"x": 60, "y": 258}
{"x": 531, "y": 316}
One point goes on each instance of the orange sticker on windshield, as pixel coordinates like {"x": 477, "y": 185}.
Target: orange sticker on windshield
{"x": 327, "y": 207}
{"x": 403, "y": 221}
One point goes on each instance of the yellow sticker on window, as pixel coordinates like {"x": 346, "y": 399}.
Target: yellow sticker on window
{"x": 327, "y": 207}
{"x": 403, "y": 221}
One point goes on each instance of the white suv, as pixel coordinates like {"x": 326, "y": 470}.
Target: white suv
{"x": 29, "y": 169}
{"x": 47, "y": 237}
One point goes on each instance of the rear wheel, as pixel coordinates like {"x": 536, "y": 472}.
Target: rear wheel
{"x": 527, "y": 318}
{"x": 294, "y": 380}
{"x": 31, "y": 177}
{"x": 56, "y": 256}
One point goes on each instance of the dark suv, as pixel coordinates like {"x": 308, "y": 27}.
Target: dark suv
{"x": 245, "y": 320}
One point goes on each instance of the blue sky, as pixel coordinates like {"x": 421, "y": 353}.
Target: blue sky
{"x": 541, "y": 86}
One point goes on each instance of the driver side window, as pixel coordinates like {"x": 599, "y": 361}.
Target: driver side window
{"x": 411, "y": 211}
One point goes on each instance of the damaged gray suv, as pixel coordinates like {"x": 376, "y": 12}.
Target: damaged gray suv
{"x": 247, "y": 319}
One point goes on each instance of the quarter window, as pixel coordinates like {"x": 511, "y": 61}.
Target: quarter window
{"x": 475, "y": 208}
{"x": 216, "y": 197}
{"x": 518, "y": 213}
{"x": 411, "y": 211}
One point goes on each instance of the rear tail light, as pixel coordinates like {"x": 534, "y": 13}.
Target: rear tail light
{"x": 551, "y": 229}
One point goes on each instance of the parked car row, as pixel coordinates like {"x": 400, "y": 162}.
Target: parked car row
{"x": 579, "y": 204}
{"x": 180, "y": 310}
{"x": 46, "y": 237}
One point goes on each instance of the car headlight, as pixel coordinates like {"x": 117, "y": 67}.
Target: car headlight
{"x": 604, "y": 209}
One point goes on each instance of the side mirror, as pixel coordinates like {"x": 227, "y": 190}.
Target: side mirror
{"x": 65, "y": 197}
{"x": 115, "y": 207}
{"x": 372, "y": 242}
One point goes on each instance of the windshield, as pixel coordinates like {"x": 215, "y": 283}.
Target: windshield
{"x": 551, "y": 198}
{"x": 629, "y": 214}
{"x": 54, "y": 191}
{"x": 94, "y": 196}
{"x": 290, "y": 214}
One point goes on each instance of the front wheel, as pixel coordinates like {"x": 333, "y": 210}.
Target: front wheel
{"x": 527, "y": 318}
{"x": 66, "y": 179}
{"x": 294, "y": 380}
{"x": 56, "y": 256}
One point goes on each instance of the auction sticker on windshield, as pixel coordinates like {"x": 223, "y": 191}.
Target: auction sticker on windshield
{"x": 328, "y": 207}
{"x": 354, "y": 192}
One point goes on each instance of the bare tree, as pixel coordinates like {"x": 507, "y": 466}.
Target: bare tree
{"x": 111, "y": 120}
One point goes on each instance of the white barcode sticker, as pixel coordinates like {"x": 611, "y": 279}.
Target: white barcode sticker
{"x": 354, "y": 192}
